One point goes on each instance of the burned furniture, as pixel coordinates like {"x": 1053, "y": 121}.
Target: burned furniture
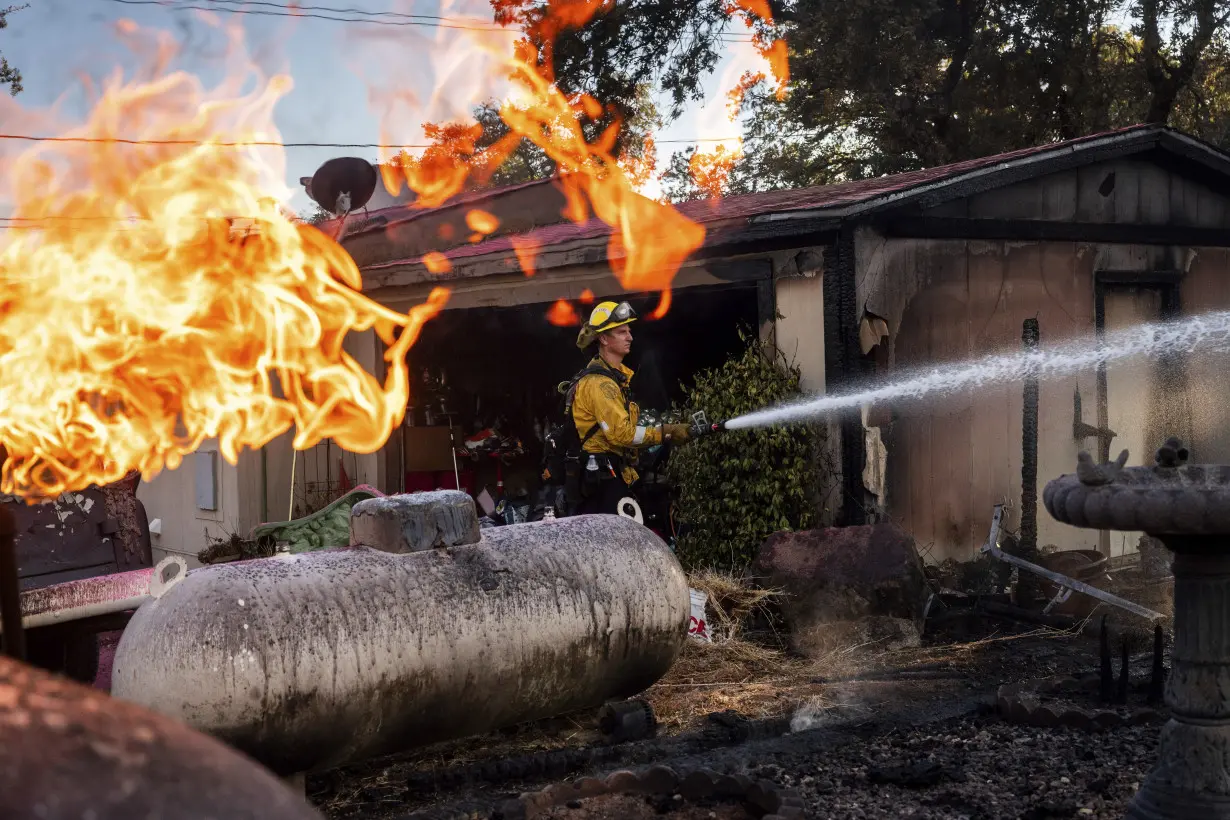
{"x": 83, "y": 564}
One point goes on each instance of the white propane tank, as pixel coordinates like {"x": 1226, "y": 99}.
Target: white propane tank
{"x": 425, "y": 632}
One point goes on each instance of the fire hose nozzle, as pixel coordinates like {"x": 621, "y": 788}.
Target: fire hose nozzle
{"x": 702, "y": 427}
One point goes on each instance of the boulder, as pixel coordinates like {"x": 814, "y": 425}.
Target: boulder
{"x": 846, "y": 584}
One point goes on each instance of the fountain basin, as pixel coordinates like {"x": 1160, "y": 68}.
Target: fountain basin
{"x": 1186, "y": 507}
{"x": 1169, "y": 497}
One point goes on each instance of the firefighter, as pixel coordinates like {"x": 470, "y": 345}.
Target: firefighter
{"x": 606, "y": 418}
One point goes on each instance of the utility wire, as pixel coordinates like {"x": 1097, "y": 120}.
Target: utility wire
{"x": 289, "y": 11}
{"x": 274, "y": 144}
{"x": 371, "y": 17}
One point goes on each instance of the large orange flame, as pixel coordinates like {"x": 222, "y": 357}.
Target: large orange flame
{"x": 649, "y": 239}
{"x": 159, "y": 297}
{"x": 711, "y": 169}
{"x": 773, "y": 50}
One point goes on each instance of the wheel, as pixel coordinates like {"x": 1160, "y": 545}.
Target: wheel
{"x": 626, "y": 720}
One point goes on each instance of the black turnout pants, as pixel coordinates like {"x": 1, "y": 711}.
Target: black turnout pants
{"x": 604, "y": 498}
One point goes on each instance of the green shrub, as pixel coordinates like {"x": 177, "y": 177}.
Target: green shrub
{"x": 736, "y": 489}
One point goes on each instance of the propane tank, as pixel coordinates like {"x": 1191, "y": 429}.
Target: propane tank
{"x": 425, "y": 629}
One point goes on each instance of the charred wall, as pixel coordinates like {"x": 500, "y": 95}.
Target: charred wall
{"x": 945, "y": 300}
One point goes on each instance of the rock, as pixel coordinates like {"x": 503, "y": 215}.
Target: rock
{"x": 838, "y": 579}
{"x": 622, "y": 781}
{"x": 697, "y": 786}
{"x": 659, "y": 780}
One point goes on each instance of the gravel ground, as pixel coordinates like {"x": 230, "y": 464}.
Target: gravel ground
{"x": 628, "y": 807}
{"x": 978, "y": 768}
{"x": 891, "y": 749}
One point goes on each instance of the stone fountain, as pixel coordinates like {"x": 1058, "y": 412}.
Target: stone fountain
{"x": 1187, "y": 507}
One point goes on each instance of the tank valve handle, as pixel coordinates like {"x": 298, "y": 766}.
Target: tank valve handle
{"x": 168, "y": 572}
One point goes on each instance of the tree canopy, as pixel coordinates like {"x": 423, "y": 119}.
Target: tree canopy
{"x": 9, "y": 75}
{"x": 882, "y": 86}
{"x": 624, "y": 55}
{"x": 876, "y": 86}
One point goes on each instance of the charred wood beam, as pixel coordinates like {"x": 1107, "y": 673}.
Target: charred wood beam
{"x": 13, "y": 637}
{"x": 1040, "y": 230}
{"x": 1028, "y": 586}
{"x": 843, "y": 367}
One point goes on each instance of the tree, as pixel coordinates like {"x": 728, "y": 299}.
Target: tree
{"x": 882, "y": 86}
{"x": 620, "y": 48}
{"x": 619, "y": 54}
{"x": 9, "y": 75}
{"x": 477, "y": 148}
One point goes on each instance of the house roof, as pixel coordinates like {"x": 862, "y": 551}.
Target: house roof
{"x": 382, "y": 218}
{"x": 851, "y": 199}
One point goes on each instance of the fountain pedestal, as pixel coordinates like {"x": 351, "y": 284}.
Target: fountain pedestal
{"x": 1187, "y": 507}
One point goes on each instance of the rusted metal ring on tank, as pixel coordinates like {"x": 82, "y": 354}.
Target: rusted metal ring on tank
{"x": 762, "y": 798}
{"x": 1020, "y": 703}
{"x": 1169, "y": 497}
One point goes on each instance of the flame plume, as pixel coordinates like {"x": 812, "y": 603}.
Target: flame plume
{"x": 157, "y": 296}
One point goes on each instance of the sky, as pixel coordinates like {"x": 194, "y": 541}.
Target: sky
{"x": 348, "y": 78}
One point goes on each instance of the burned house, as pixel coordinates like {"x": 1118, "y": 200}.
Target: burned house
{"x": 856, "y": 282}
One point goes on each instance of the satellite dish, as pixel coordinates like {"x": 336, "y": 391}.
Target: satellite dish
{"x": 342, "y": 184}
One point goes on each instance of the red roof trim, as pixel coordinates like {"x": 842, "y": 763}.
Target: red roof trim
{"x": 746, "y": 206}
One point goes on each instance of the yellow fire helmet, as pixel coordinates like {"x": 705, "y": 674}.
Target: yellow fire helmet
{"x": 605, "y": 316}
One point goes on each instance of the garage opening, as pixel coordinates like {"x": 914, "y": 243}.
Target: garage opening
{"x": 484, "y": 393}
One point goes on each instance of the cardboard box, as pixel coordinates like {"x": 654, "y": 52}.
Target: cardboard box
{"x": 428, "y": 449}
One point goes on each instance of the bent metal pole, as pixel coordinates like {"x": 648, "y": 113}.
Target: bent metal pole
{"x": 1187, "y": 507}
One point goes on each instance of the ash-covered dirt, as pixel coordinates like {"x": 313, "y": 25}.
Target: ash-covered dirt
{"x": 634, "y": 807}
{"x": 930, "y": 747}
{"x": 978, "y": 768}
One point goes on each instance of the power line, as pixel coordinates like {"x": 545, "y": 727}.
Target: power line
{"x": 365, "y": 12}
{"x": 274, "y": 144}
{"x": 370, "y": 17}
{"x": 289, "y": 11}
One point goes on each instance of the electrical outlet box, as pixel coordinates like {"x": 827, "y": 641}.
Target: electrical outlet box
{"x": 206, "y": 480}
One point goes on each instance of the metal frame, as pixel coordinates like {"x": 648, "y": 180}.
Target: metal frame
{"x": 1067, "y": 585}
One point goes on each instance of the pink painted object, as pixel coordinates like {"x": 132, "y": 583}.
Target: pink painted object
{"x": 86, "y": 592}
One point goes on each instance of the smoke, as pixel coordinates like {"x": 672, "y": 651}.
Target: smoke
{"x": 818, "y": 711}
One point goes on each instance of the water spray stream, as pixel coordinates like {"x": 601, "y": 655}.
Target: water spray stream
{"x": 1209, "y": 333}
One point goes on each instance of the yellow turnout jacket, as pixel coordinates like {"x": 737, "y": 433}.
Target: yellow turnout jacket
{"x": 600, "y": 401}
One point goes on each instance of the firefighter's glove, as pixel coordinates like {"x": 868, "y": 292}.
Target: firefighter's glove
{"x": 677, "y": 433}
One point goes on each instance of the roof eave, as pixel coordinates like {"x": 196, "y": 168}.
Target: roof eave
{"x": 979, "y": 179}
